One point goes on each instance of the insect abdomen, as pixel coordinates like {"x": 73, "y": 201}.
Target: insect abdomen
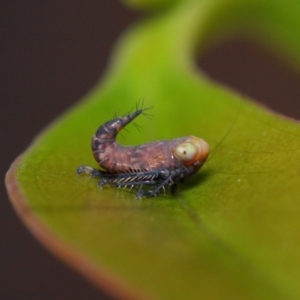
{"x": 110, "y": 129}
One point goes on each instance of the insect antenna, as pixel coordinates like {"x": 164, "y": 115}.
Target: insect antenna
{"x": 214, "y": 150}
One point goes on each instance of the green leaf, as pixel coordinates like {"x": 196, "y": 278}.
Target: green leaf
{"x": 233, "y": 230}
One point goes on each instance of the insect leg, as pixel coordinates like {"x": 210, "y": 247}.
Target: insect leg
{"x": 90, "y": 171}
{"x": 142, "y": 174}
{"x": 111, "y": 182}
{"x": 125, "y": 184}
{"x": 154, "y": 192}
{"x": 125, "y": 179}
{"x": 128, "y": 179}
{"x": 174, "y": 188}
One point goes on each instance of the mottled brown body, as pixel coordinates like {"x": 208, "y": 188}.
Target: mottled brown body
{"x": 147, "y": 157}
{"x": 158, "y": 163}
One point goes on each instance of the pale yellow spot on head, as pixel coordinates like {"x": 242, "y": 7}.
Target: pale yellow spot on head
{"x": 185, "y": 151}
{"x": 193, "y": 151}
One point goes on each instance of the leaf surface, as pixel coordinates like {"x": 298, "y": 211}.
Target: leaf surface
{"x": 233, "y": 230}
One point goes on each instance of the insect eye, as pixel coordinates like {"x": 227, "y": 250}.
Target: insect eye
{"x": 185, "y": 151}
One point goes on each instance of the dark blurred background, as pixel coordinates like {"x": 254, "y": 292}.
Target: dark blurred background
{"x": 52, "y": 53}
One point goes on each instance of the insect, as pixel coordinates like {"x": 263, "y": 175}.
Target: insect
{"x": 153, "y": 165}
